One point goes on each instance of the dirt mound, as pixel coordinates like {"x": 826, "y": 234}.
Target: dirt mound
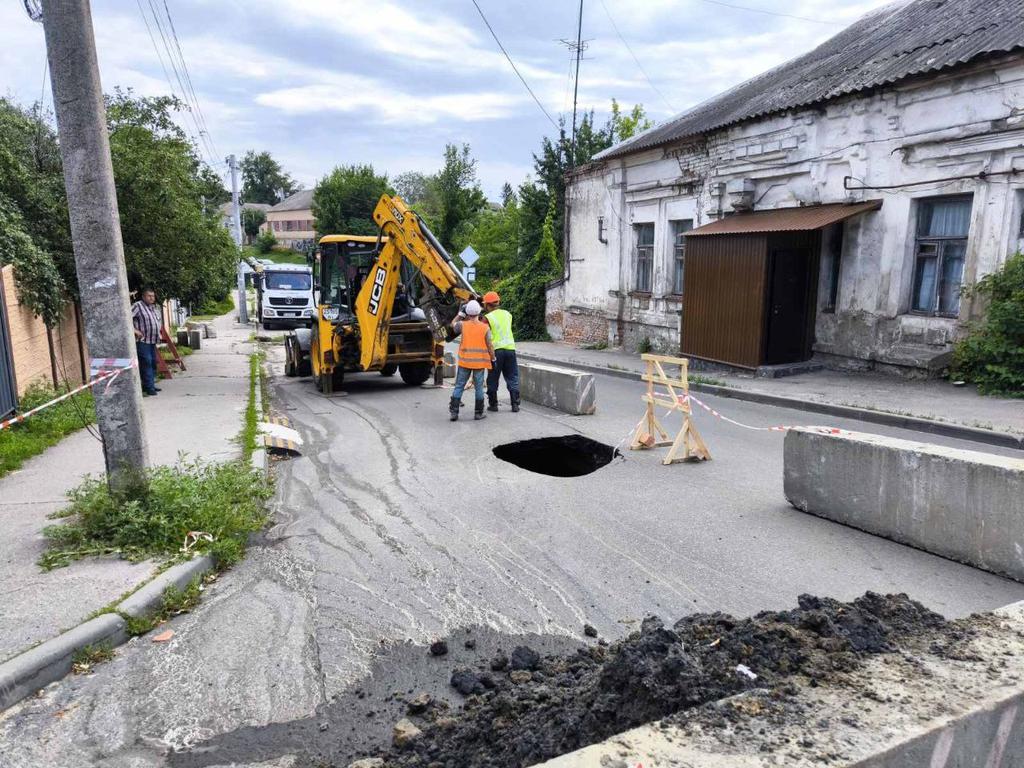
{"x": 556, "y": 704}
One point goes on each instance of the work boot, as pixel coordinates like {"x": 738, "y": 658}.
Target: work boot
{"x": 492, "y": 402}
{"x": 515, "y": 402}
{"x": 479, "y": 411}
{"x": 453, "y": 409}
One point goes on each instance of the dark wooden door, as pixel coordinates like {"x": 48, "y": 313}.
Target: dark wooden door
{"x": 790, "y": 308}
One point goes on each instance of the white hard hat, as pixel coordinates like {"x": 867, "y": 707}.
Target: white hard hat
{"x": 472, "y": 308}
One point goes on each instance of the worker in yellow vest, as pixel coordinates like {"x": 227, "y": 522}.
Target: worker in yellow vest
{"x": 505, "y": 363}
{"x": 476, "y": 355}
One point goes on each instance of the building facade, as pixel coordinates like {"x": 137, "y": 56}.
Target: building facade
{"x": 291, "y": 221}
{"x": 826, "y": 208}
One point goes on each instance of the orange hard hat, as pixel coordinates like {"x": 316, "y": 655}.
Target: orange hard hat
{"x": 491, "y": 297}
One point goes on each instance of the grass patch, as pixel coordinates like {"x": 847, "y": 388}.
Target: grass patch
{"x": 175, "y": 602}
{"x": 211, "y": 309}
{"x": 250, "y": 430}
{"x": 286, "y": 257}
{"x": 696, "y": 378}
{"x": 23, "y": 441}
{"x": 88, "y": 657}
{"x": 224, "y": 500}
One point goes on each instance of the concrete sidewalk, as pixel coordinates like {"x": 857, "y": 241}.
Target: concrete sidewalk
{"x": 934, "y": 400}
{"x": 199, "y": 413}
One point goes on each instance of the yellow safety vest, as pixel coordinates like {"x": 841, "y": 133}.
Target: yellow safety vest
{"x": 501, "y": 329}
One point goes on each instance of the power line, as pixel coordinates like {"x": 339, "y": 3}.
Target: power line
{"x": 514, "y": 67}
{"x": 769, "y": 13}
{"x": 200, "y": 143}
{"x": 638, "y": 64}
{"x": 160, "y": 57}
{"x": 188, "y": 80}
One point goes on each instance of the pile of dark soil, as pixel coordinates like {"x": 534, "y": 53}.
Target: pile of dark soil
{"x": 524, "y": 709}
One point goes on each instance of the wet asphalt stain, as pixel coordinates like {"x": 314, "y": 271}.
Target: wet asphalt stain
{"x": 358, "y": 722}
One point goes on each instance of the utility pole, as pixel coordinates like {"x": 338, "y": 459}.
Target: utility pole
{"x": 576, "y": 83}
{"x": 236, "y": 221}
{"x": 96, "y": 232}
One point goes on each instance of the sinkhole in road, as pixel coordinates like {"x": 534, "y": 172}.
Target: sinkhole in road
{"x": 566, "y": 456}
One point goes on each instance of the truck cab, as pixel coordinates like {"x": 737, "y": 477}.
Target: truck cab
{"x": 284, "y": 296}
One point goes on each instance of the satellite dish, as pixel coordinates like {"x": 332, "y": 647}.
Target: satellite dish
{"x": 34, "y": 9}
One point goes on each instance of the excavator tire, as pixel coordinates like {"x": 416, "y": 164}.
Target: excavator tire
{"x": 415, "y": 374}
{"x": 290, "y": 368}
{"x": 389, "y": 370}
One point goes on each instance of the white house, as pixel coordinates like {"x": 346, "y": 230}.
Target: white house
{"x": 831, "y": 207}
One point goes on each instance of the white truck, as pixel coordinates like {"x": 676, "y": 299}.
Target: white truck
{"x": 284, "y": 296}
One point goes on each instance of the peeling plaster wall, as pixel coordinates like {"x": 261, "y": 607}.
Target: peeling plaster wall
{"x": 954, "y": 124}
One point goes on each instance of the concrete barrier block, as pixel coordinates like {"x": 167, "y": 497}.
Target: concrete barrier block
{"x": 195, "y": 339}
{"x": 964, "y": 505}
{"x": 563, "y": 389}
{"x": 210, "y": 330}
{"x": 183, "y": 337}
{"x": 449, "y": 365}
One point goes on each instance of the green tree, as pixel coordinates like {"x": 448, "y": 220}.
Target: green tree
{"x": 413, "y": 187}
{"x": 523, "y": 294}
{"x": 169, "y": 241}
{"x": 264, "y": 180}
{"x": 494, "y": 235}
{"x": 37, "y": 280}
{"x": 252, "y": 218}
{"x": 343, "y": 201}
{"x": 622, "y": 126}
{"x": 32, "y": 185}
{"x": 992, "y": 354}
{"x": 458, "y": 195}
{"x": 508, "y": 195}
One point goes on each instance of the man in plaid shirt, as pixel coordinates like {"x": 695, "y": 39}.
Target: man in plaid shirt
{"x": 146, "y": 320}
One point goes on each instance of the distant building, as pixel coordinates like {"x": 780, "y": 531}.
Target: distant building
{"x": 225, "y": 216}
{"x": 833, "y": 206}
{"x": 291, "y": 220}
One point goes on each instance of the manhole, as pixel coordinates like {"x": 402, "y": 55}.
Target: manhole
{"x": 568, "y": 456}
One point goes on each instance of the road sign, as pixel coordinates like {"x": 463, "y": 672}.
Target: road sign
{"x": 470, "y": 274}
{"x": 469, "y": 256}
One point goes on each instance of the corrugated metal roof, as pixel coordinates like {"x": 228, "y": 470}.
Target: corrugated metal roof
{"x": 892, "y": 43}
{"x": 785, "y": 219}
{"x": 300, "y": 201}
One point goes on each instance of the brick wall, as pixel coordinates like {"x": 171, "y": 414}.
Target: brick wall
{"x": 30, "y": 348}
{"x": 584, "y": 326}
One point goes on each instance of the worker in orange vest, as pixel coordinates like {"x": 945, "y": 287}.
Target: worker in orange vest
{"x": 476, "y": 355}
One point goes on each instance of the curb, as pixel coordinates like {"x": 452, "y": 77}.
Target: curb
{"x": 915, "y": 423}
{"x": 49, "y": 661}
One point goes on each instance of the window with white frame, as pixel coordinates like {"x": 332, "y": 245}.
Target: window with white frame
{"x": 643, "y": 235}
{"x": 940, "y": 247}
{"x": 679, "y": 229}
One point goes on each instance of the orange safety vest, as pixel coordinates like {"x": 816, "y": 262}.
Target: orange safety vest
{"x": 473, "y": 351}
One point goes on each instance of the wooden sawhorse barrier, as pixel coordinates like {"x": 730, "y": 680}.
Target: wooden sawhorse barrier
{"x": 677, "y": 398}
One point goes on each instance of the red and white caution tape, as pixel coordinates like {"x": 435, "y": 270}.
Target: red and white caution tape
{"x": 110, "y": 374}
{"x": 713, "y": 412}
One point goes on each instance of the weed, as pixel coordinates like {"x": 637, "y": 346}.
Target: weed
{"x": 30, "y": 438}
{"x": 88, "y": 657}
{"x": 602, "y": 344}
{"x": 696, "y": 378}
{"x": 645, "y": 346}
{"x": 224, "y": 500}
{"x": 250, "y": 426}
{"x": 175, "y": 602}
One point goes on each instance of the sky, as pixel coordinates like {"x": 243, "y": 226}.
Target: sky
{"x": 321, "y": 83}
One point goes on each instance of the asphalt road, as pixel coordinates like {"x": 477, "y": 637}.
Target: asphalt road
{"x": 396, "y": 525}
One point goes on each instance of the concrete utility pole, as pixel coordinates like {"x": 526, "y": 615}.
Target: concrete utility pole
{"x": 236, "y": 221}
{"x": 96, "y": 231}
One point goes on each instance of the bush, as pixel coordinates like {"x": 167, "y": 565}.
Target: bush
{"x": 223, "y": 500}
{"x": 265, "y": 242}
{"x": 992, "y": 355}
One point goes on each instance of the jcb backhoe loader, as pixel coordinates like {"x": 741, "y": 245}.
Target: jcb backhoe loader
{"x": 364, "y": 322}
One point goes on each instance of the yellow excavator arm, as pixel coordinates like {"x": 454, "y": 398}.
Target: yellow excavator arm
{"x": 405, "y": 237}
